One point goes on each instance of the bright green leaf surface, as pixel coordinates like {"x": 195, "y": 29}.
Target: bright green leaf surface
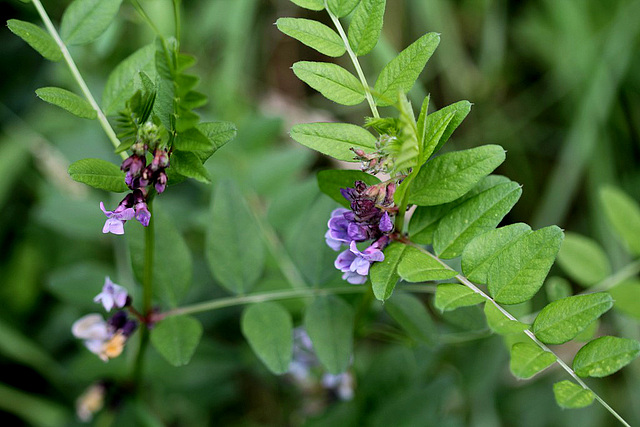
{"x": 402, "y": 72}
{"x": 435, "y": 127}
{"x": 518, "y": 272}
{"x": 366, "y": 25}
{"x": 122, "y": 80}
{"x": 562, "y": 320}
{"x": 331, "y": 80}
{"x": 192, "y": 140}
{"x": 329, "y": 323}
{"x": 188, "y": 164}
{"x": 412, "y": 315}
{"x": 475, "y": 216}
{"x": 605, "y": 356}
{"x": 460, "y": 110}
{"x": 384, "y": 275}
{"x": 84, "y": 20}
{"x": 571, "y": 396}
{"x": 269, "y": 330}
{"x": 334, "y": 139}
{"x": 176, "y": 338}
{"x": 37, "y": 38}
{"x": 478, "y": 255}
{"x": 173, "y": 265}
{"x": 234, "y": 248}
{"x": 623, "y": 214}
{"x": 313, "y": 34}
{"x": 68, "y": 101}
{"x": 501, "y": 324}
{"x": 331, "y": 181}
{"x": 342, "y": 8}
{"x": 416, "y": 266}
{"x": 310, "y": 4}
{"x": 450, "y": 176}
{"x": 450, "y": 296}
{"x": 527, "y": 359}
{"x": 98, "y": 173}
{"x": 583, "y": 259}
{"x": 627, "y": 297}
{"x": 218, "y": 133}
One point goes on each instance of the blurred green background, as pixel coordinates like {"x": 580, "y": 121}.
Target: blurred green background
{"x": 556, "y": 83}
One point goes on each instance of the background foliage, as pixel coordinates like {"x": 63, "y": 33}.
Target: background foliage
{"x": 555, "y": 83}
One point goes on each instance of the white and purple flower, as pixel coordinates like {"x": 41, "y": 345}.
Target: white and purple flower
{"x": 112, "y": 295}
{"x": 355, "y": 264}
{"x": 116, "y": 218}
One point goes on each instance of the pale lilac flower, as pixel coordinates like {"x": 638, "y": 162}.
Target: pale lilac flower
{"x": 354, "y": 278}
{"x": 355, "y": 263}
{"x": 385, "y": 223}
{"x": 112, "y": 295}
{"x": 142, "y": 213}
{"x": 116, "y": 218}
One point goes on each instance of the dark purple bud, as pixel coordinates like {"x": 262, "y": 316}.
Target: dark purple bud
{"x": 385, "y": 224}
{"x": 118, "y": 320}
{"x": 360, "y": 186}
{"x": 161, "y": 182}
{"x": 133, "y": 164}
{"x": 129, "y": 327}
{"x": 348, "y": 193}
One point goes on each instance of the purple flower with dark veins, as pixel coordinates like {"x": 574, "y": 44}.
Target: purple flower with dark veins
{"x": 142, "y": 213}
{"x": 385, "y": 224}
{"x": 161, "y": 182}
{"x": 355, "y": 264}
{"x": 337, "y": 234}
{"x": 112, "y": 295}
{"x": 116, "y": 218}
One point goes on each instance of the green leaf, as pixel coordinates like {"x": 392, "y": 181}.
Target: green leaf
{"x": 627, "y": 297}
{"x": 416, "y": 266}
{"x": 173, "y": 265}
{"x": 218, "y": 133}
{"x": 478, "y": 255}
{"x": 572, "y": 396}
{"x": 269, "y": 330}
{"x": 450, "y": 296}
{"x": 329, "y": 323}
{"x": 234, "y": 248}
{"x": 558, "y": 288}
{"x": 330, "y": 182}
{"x": 334, "y": 139}
{"x": 460, "y": 110}
{"x": 188, "y": 164}
{"x": 527, "y": 359}
{"x": 68, "y": 101}
{"x": 342, "y": 8}
{"x": 425, "y": 219}
{"x": 436, "y": 126}
{"x": 331, "y": 80}
{"x": 583, "y": 259}
{"x": 623, "y": 214}
{"x": 37, "y": 38}
{"x": 176, "y": 338}
{"x": 448, "y": 177}
{"x": 98, "y": 173}
{"x": 501, "y": 324}
{"x": 85, "y": 20}
{"x": 384, "y": 275}
{"x": 122, "y": 80}
{"x": 192, "y": 140}
{"x": 402, "y": 72}
{"x": 605, "y": 356}
{"x": 411, "y": 314}
{"x": 562, "y": 320}
{"x": 475, "y": 216}
{"x": 518, "y": 272}
{"x": 313, "y": 34}
{"x": 310, "y": 4}
{"x": 366, "y": 25}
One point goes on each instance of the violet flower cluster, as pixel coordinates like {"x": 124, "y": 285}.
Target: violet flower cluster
{"x": 141, "y": 178}
{"x": 106, "y": 338}
{"x": 370, "y": 218}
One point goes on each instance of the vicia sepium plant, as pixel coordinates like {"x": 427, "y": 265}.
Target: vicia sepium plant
{"x": 453, "y": 202}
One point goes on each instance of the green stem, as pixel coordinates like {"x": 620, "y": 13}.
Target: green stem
{"x": 217, "y": 304}
{"x": 463, "y": 280}
{"x": 146, "y": 18}
{"x": 78, "y": 77}
{"x": 147, "y": 281}
{"x": 356, "y": 63}
{"x": 176, "y": 17}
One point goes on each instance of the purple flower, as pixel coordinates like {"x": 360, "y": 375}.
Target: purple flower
{"x": 142, "y": 213}
{"x": 161, "y": 181}
{"x": 355, "y": 264}
{"x": 385, "y": 224}
{"x": 112, "y": 295}
{"x": 116, "y": 218}
{"x": 338, "y": 229}
{"x": 354, "y": 278}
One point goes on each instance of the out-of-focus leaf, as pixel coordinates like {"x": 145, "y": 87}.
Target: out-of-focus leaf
{"x": 518, "y": 272}
{"x": 562, "y": 320}
{"x": 37, "y": 38}
{"x": 100, "y": 174}
{"x": 85, "y": 20}
{"x": 329, "y": 323}
{"x": 583, "y": 259}
{"x": 331, "y": 80}
{"x": 626, "y": 296}
{"x": 35, "y": 410}
{"x": 411, "y": 314}
{"x": 314, "y": 34}
{"x": 557, "y": 288}
{"x": 501, "y": 324}
{"x": 269, "y": 330}
{"x": 78, "y": 284}
{"x": 623, "y": 214}
{"x": 176, "y": 338}
{"x": 605, "y": 356}
{"x": 527, "y": 359}
{"x": 571, "y": 396}
{"x": 334, "y": 139}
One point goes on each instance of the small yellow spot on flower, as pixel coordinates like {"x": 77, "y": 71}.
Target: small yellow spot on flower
{"x": 113, "y": 347}
{"x": 90, "y": 402}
